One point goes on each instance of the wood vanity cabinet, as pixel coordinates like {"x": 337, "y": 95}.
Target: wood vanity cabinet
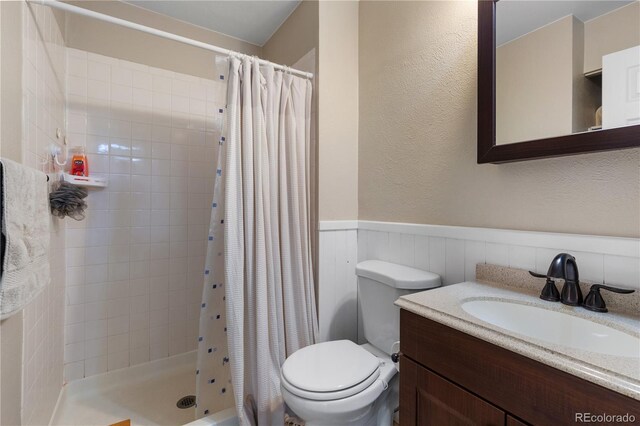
{"x": 448, "y": 377}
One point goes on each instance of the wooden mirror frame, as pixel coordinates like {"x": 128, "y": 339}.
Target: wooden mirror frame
{"x": 489, "y": 152}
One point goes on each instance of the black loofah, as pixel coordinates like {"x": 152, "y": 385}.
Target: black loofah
{"x": 68, "y": 200}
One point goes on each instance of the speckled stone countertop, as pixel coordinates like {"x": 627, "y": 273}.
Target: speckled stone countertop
{"x": 444, "y": 305}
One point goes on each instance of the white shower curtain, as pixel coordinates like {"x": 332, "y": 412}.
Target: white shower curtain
{"x": 214, "y": 391}
{"x": 268, "y": 278}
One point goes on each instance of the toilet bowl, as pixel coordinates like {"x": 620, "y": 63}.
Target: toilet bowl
{"x": 339, "y": 383}
{"x": 342, "y": 383}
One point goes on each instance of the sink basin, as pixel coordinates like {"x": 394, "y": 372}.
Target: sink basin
{"x": 554, "y": 327}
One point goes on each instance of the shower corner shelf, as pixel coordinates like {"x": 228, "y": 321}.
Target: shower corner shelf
{"x": 86, "y": 181}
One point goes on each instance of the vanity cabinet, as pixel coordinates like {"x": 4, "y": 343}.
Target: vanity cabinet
{"x": 439, "y": 402}
{"x": 448, "y": 377}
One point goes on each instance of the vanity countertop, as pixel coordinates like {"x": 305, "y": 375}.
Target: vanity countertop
{"x": 444, "y": 305}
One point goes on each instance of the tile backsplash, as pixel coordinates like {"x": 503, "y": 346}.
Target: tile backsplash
{"x": 135, "y": 263}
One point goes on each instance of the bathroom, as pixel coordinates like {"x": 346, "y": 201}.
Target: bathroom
{"x": 368, "y": 261}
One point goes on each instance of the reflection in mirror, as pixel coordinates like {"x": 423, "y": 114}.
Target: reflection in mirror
{"x": 565, "y": 67}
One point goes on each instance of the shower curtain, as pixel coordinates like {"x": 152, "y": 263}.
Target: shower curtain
{"x": 259, "y": 254}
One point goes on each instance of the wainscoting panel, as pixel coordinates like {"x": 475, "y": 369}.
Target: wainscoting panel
{"x": 453, "y": 252}
{"x": 337, "y": 290}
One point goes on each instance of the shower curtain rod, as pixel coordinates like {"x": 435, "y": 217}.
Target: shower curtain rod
{"x": 56, "y": 4}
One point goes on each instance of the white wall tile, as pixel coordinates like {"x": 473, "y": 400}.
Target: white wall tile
{"x": 96, "y": 347}
{"x": 77, "y": 86}
{"x": 121, "y": 93}
{"x": 117, "y": 325}
{"x": 95, "y": 256}
{"x": 141, "y": 80}
{"x": 161, "y": 151}
{"x": 74, "y": 370}
{"x": 120, "y": 147}
{"x": 75, "y": 256}
{"x": 74, "y": 333}
{"x": 99, "y": 164}
{"x": 74, "y": 314}
{"x": 140, "y": 166}
{"x": 95, "y": 310}
{"x": 139, "y": 355}
{"x": 74, "y": 352}
{"x": 75, "y": 295}
{"x": 117, "y": 360}
{"x": 98, "y": 71}
{"x": 93, "y": 366}
{"x": 98, "y": 91}
{"x": 161, "y": 102}
{"x": 161, "y": 84}
{"x": 121, "y": 75}
{"x": 154, "y": 213}
{"x": 75, "y": 275}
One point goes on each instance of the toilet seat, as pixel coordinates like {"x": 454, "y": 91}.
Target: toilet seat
{"x": 330, "y": 396}
{"x": 330, "y": 370}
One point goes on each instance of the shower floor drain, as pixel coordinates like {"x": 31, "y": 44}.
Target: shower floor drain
{"x": 186, "y": 402}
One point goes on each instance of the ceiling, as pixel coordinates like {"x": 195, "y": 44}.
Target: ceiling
{"x": 247, "y": 20}
{"x": 516, "y": 18}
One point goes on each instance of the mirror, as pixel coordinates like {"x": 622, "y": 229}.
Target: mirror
{"x": 557, "y": 77}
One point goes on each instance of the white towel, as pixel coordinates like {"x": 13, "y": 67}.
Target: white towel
{"x": 25, "y": 236}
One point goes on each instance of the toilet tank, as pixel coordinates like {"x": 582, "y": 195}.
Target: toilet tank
{"x": 379, "y": 285}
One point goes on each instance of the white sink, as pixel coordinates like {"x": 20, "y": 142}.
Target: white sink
{"x": 555, "y": 327}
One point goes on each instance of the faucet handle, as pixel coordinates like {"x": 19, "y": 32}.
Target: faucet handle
{"x": 594, "y": 300}
{"x": 549, "y": 291}
{"x": 537, "y": 275}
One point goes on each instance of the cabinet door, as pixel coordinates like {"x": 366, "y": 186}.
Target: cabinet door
{"x": 427, "y": 399}
{"x": 512, "y": 421}
{"x": 621, "y": 88}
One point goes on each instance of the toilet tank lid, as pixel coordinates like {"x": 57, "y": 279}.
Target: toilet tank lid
{"x": 398, "y": 276}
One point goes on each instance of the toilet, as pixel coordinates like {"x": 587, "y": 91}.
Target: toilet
{"x": 342, "y": 383}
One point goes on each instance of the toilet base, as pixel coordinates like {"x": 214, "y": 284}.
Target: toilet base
{"x": 380, "y": 413}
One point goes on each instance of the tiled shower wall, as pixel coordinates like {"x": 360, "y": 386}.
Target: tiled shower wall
{"x": 135, "y": 264}
{"x": 43, "y": 69}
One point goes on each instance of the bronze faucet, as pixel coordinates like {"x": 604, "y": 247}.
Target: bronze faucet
{"x": 564, "y": 266}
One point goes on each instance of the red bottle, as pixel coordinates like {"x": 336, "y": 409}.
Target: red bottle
{"x": 79, "y": 164}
